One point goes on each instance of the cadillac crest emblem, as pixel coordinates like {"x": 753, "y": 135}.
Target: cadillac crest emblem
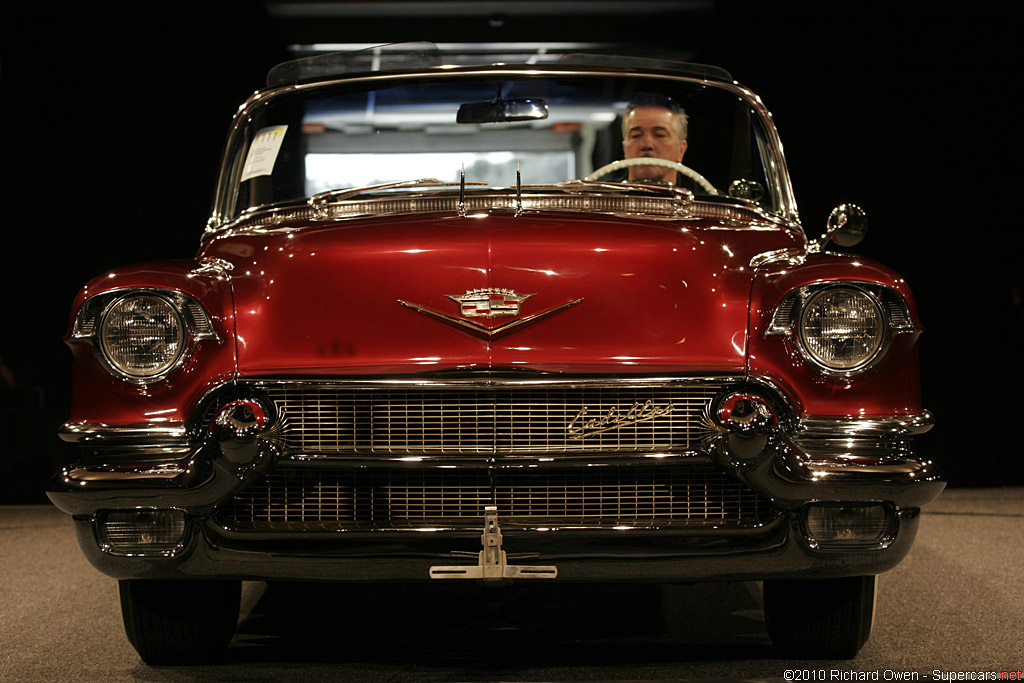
{"x": 489, "y": 302}
{"x": 478, "y": 308}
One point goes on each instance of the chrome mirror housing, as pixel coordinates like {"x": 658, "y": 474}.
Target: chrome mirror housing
{"x": 847, "y": 225}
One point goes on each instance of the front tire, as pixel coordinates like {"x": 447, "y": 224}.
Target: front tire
{"x": 177, "y": 621}
{"x": 820, "y": 619}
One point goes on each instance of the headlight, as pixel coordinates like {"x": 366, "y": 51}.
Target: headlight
{"x": 842, "y": 329}
{"x": 142, "y": 335}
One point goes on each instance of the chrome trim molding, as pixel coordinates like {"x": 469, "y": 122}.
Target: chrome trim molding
{"x": 841, "y": 427}
{"x": 496, "y": 199}
{"x": 794, "y": 480}
{"x": 88, "y": 431}
{"x": 124, "y": 474}
{"x": 856, "y": 441}
{"x": 534, "y": 460}
{"x": 195, "y": 479}
{"x": 496, "y": 379}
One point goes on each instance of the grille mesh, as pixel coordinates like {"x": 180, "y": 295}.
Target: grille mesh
{"x": 338, "y": 419}
{"x": 394, "y": 498}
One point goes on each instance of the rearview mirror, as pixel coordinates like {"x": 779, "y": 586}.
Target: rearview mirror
{"x": 499, "y": 111}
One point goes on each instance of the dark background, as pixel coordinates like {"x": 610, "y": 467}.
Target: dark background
{"x": 114, "y": 117}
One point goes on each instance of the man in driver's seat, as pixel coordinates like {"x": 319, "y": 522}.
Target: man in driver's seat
{"x": 654, "y": 129}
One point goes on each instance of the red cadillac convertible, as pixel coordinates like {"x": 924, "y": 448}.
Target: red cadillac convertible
{"x": 553, "y": 321}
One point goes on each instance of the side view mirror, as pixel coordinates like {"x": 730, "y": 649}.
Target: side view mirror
{"x": 846, "y": 226}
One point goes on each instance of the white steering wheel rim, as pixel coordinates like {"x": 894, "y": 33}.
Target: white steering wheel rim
{"x": 654, "y": 161}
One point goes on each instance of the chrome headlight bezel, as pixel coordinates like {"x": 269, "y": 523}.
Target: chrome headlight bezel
{"x": 873, "y": 334}
{"x": 791, "y": 319}
{"x": 121, "y": 346}
{"x": 193, "y": 325}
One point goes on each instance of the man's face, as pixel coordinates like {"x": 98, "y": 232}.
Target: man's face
{"x": 652, "y": 132}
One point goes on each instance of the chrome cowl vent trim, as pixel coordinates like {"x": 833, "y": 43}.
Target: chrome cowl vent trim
{"x": 407, "y": 203}
{"x": 589, "y": 203}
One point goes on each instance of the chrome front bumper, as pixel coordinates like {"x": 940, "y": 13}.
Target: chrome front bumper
{"x": 824, "y": 462}
{"x": 776, "y": 551}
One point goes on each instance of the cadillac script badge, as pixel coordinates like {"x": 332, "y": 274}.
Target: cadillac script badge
{"x": 614, "y": 418}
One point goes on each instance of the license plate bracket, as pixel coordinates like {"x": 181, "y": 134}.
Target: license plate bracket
{"x": 492, "y": 561}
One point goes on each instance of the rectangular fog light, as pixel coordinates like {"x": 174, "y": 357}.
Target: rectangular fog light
{"x": 846, "y": 526}
{"x": 133, "y": 532}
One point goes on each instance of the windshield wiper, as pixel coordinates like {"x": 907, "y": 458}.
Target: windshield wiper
{"x": 664, "y": 189}
{"x": 323, "y": 198}
{"x": 320, "y": 200}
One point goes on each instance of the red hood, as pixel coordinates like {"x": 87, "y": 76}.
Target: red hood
{"x": 653, "y": 295}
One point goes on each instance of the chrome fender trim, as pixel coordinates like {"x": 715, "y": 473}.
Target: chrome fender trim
{"x": 75, "y": 432}
{"x": 197, "y": 480}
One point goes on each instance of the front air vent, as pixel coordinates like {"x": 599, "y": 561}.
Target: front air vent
{"x": 321, "y": 498}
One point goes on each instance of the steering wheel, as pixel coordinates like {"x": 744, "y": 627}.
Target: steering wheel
{"x": 654, "y": 161}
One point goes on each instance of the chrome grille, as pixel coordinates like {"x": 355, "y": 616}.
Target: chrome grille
{"x": 304, "y": 498}
{"x": 335, "y": 418}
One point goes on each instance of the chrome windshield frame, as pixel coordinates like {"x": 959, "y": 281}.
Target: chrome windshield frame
{"x": 775, "y": 167}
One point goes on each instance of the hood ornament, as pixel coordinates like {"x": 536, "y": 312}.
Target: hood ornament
{"x": 462, "y": 192}
{"x": 488, "y": 303}
{"x": 519, "y": 192}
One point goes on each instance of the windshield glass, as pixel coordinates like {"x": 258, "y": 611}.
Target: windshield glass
{"x": 552, "y": 129}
